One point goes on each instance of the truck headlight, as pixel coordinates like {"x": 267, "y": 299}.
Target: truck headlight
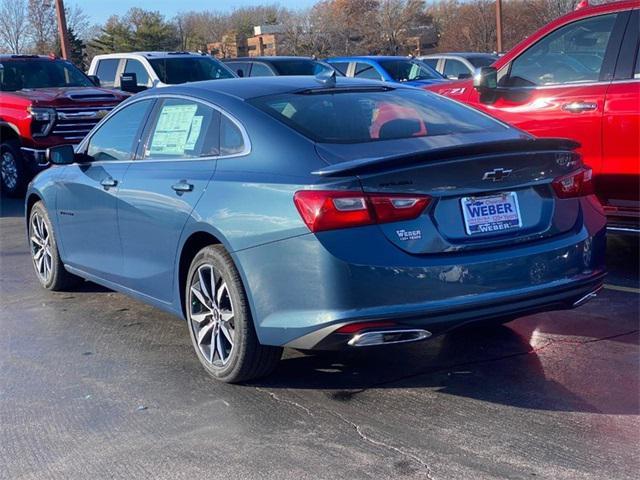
{"x": 42, "y": 120}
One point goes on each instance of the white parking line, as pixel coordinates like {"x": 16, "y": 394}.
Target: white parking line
{"x": 620, "y": 288}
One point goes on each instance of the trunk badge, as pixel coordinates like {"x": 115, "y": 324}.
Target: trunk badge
{"x": 497, "y": 174}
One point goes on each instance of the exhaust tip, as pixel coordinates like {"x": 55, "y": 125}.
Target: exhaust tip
{"x": 386, "y": 337}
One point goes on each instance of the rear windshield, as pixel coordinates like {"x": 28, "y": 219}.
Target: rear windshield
{"x": 173, "y": 71}
{"x": 408, "y": 70}
{"x": 358, "y": 116}
{"x": 298, "y": 67}
{"x": 482, "y": 61}
{"x": 22, "y": 74}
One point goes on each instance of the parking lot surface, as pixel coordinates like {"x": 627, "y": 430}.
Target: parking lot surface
{"x": 96, "y": 385}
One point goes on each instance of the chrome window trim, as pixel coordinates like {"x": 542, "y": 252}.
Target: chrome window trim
{"x": 572, "y": 85}
{"x": 245, "y": 136}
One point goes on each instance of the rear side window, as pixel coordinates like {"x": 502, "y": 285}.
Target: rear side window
{"x": 239, "y": 68}
{"x": 364, "y": 70}
{"x": 342, "y": 67}
{"x": 183, "y": 129}
{"x": 134, "y": 66}
{"x": 455, "y": 68}
{"x": 261, "y": 70}
{"x": 117, "y": 138}
{"x": 432, "y": 62}
{"x": 231, "y": 139}
{"x": 572, "y": 54}
{"x": 357, "y": 116}
{"x": 106, "y": 71}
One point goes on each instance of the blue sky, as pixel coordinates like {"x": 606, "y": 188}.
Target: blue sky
{"x": 100, "y": 10}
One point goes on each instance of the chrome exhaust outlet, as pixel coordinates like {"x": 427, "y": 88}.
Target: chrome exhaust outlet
{"x": 386, "y": 337}
{"x": 588, "y": 296}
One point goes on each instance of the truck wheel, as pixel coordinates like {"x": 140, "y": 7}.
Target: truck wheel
{"x": 220, "y": 321}
{"x": 12, "y": 169}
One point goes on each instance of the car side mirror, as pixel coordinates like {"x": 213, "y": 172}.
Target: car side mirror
{"x": 240, "y": 72}
{"x": 61, "y": 155}
{"x": 129, "y": 83}
{"x": 485, "y": 78}
{"x": 95, "y": 80}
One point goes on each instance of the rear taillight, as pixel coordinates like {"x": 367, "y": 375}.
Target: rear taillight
{"x": 332, "y": 209}
{"x": 576, "y": 184}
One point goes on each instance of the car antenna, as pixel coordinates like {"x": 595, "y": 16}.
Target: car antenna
{"x": 327, "y": 77}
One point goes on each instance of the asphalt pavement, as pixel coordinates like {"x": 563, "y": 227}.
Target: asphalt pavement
{"x": 96, "y": 385}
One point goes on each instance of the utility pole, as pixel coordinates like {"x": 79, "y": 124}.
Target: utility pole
{"x": 62, "y": 30}
{"x": 499, "y": 25}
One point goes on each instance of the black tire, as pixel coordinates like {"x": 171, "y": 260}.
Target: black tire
{"x": 13, "y": 173}
{"x": 246, "y": 358}
{"x": 55, "y": 278}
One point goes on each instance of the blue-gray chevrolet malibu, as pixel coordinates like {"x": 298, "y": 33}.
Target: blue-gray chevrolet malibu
{"x": 316, "y": 214}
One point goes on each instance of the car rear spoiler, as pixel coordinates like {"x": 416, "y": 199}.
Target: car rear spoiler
{"x": 380, "y": 164}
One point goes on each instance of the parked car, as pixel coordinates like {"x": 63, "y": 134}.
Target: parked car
{"x": 273, "y": 66}
{"x": 460, "y": 65}
{"x": 387, "y": 69}
{"x": 578, "y": 77}
{"x": 138, "y": 71}
{"x": 273, "y": 212}
{"x": 44, "y": 101}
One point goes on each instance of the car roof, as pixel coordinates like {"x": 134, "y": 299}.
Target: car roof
{"x": 6, "y": 57}
{"x": 460, "y": 54}
{"x": 266, "y": 59}
{"x": 252, "y": 87}
{"x": 373, "y": 58}
{"x": 151, "y": 55}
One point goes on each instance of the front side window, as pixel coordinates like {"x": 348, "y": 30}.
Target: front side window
{"x": 408, "y": 70}
{"x": 261, "y": 70}
{"x": 135, "y": 66}
{"x": 239, "y": 68}
{"x": 41, "y": 73}
{"x": 478, "y": 62}
{"x": 571, "y": 54}
{"x": 117, "y": 138}
{"x": 107, "y": 70}
{"x": 350, "y": 116}
{"x": 299, "y": 67}
{"x": 432, "y": 62}
{"x": 173, "y": 71}
{"x": 455, "y": 68}
{"x": 183, "y": 129}
{"x": 364, "y": 70}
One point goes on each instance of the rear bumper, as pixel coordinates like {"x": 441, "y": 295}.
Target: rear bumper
{"x": 302, "y": 289}
{"x": 570, "y": 295}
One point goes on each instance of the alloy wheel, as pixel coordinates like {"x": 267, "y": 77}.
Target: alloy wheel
{"x": 211, "y": 315}
{"x": 40, "y": 241}
{"x": 9, "y": 170}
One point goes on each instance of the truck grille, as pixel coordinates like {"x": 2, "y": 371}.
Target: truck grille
{"x": 73, "y": 123}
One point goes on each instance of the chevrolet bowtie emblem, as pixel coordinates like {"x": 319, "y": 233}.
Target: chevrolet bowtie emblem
{"x": 497, "y": 174}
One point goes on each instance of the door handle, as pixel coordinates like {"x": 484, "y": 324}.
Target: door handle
{"x": 109, "y": 182}
{"x": 579, "y": 107}
{"x": 182, "y": 186}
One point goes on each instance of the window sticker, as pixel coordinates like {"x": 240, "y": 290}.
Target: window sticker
{"x": 172, "y": 130}
{"x": 194, "y": 133}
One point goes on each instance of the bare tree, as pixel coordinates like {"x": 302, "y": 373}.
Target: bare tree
{"x": 78, "y": 21}
{"x": 41, "y": 15}
{"x": 14, "y": 25}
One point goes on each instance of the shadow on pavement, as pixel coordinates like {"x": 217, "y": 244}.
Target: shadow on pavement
{"x": 496, "y": 365}
{"x": 11, "y": 207}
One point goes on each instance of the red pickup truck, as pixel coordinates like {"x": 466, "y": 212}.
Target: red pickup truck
{"x": 44, "y": 101}
{"x": 578, "y": 78}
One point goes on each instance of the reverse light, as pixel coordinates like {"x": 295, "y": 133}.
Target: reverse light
{"x": 332, "y": 209}
{"x": 576, "y": 184}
